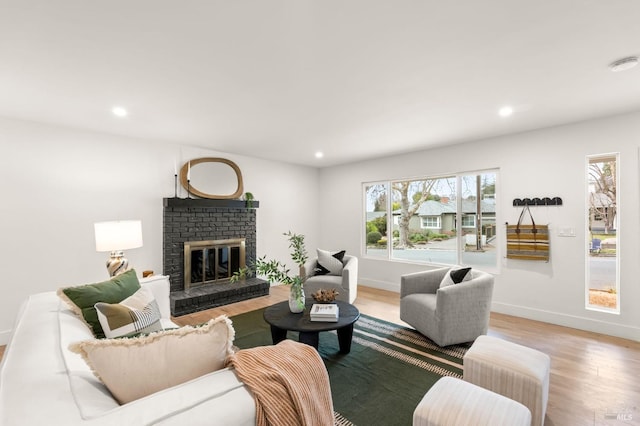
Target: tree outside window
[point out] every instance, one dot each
(376, 219)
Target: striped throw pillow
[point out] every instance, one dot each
(138, 313)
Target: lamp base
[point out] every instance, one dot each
(117, 263)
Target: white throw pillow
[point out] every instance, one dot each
(132, 368)
(138, 313)
(456, 276)
(330, 261)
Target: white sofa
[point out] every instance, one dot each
(43, 383)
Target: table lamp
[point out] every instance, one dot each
(116, 236)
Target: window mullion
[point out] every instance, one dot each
(459, 245)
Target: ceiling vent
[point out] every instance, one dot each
(624, 64)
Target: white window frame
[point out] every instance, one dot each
(467, 215)
(390, 220)
(438, 222)
(494, 268)
(588, 306)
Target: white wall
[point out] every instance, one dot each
(542, 163)
(56, 182)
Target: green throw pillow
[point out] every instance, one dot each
(82, 299)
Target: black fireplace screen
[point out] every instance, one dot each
(211, 261)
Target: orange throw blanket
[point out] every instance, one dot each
(289, 382)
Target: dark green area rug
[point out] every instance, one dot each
(382, 379)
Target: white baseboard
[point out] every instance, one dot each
(572, 321)
(4, 337)
(381, 285)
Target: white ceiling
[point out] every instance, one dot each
(281, 79)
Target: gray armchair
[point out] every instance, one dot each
(454, 314)
(345, 284)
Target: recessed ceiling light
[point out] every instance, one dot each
(119, 112)
(624, 64)
(505, 111)
(319, 154)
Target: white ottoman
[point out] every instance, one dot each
(512, 370)
(454, 402)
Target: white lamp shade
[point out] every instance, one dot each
(118, 235)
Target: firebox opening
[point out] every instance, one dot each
(208, 262)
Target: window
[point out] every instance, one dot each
(478, 204)
(469, 221)
(431, 222)
(602, 285)
(376, 219)
(420, 219)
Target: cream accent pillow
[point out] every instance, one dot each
(138, 313)
(136, 367)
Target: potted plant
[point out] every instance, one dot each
(248, 198)
(275, 271)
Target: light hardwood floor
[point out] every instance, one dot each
(591, 374)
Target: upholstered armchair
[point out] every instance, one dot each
(346, 284)
(448, 315)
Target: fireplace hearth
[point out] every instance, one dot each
(220, 237)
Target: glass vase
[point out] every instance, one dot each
(296, 299)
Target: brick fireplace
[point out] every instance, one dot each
(189, 221)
